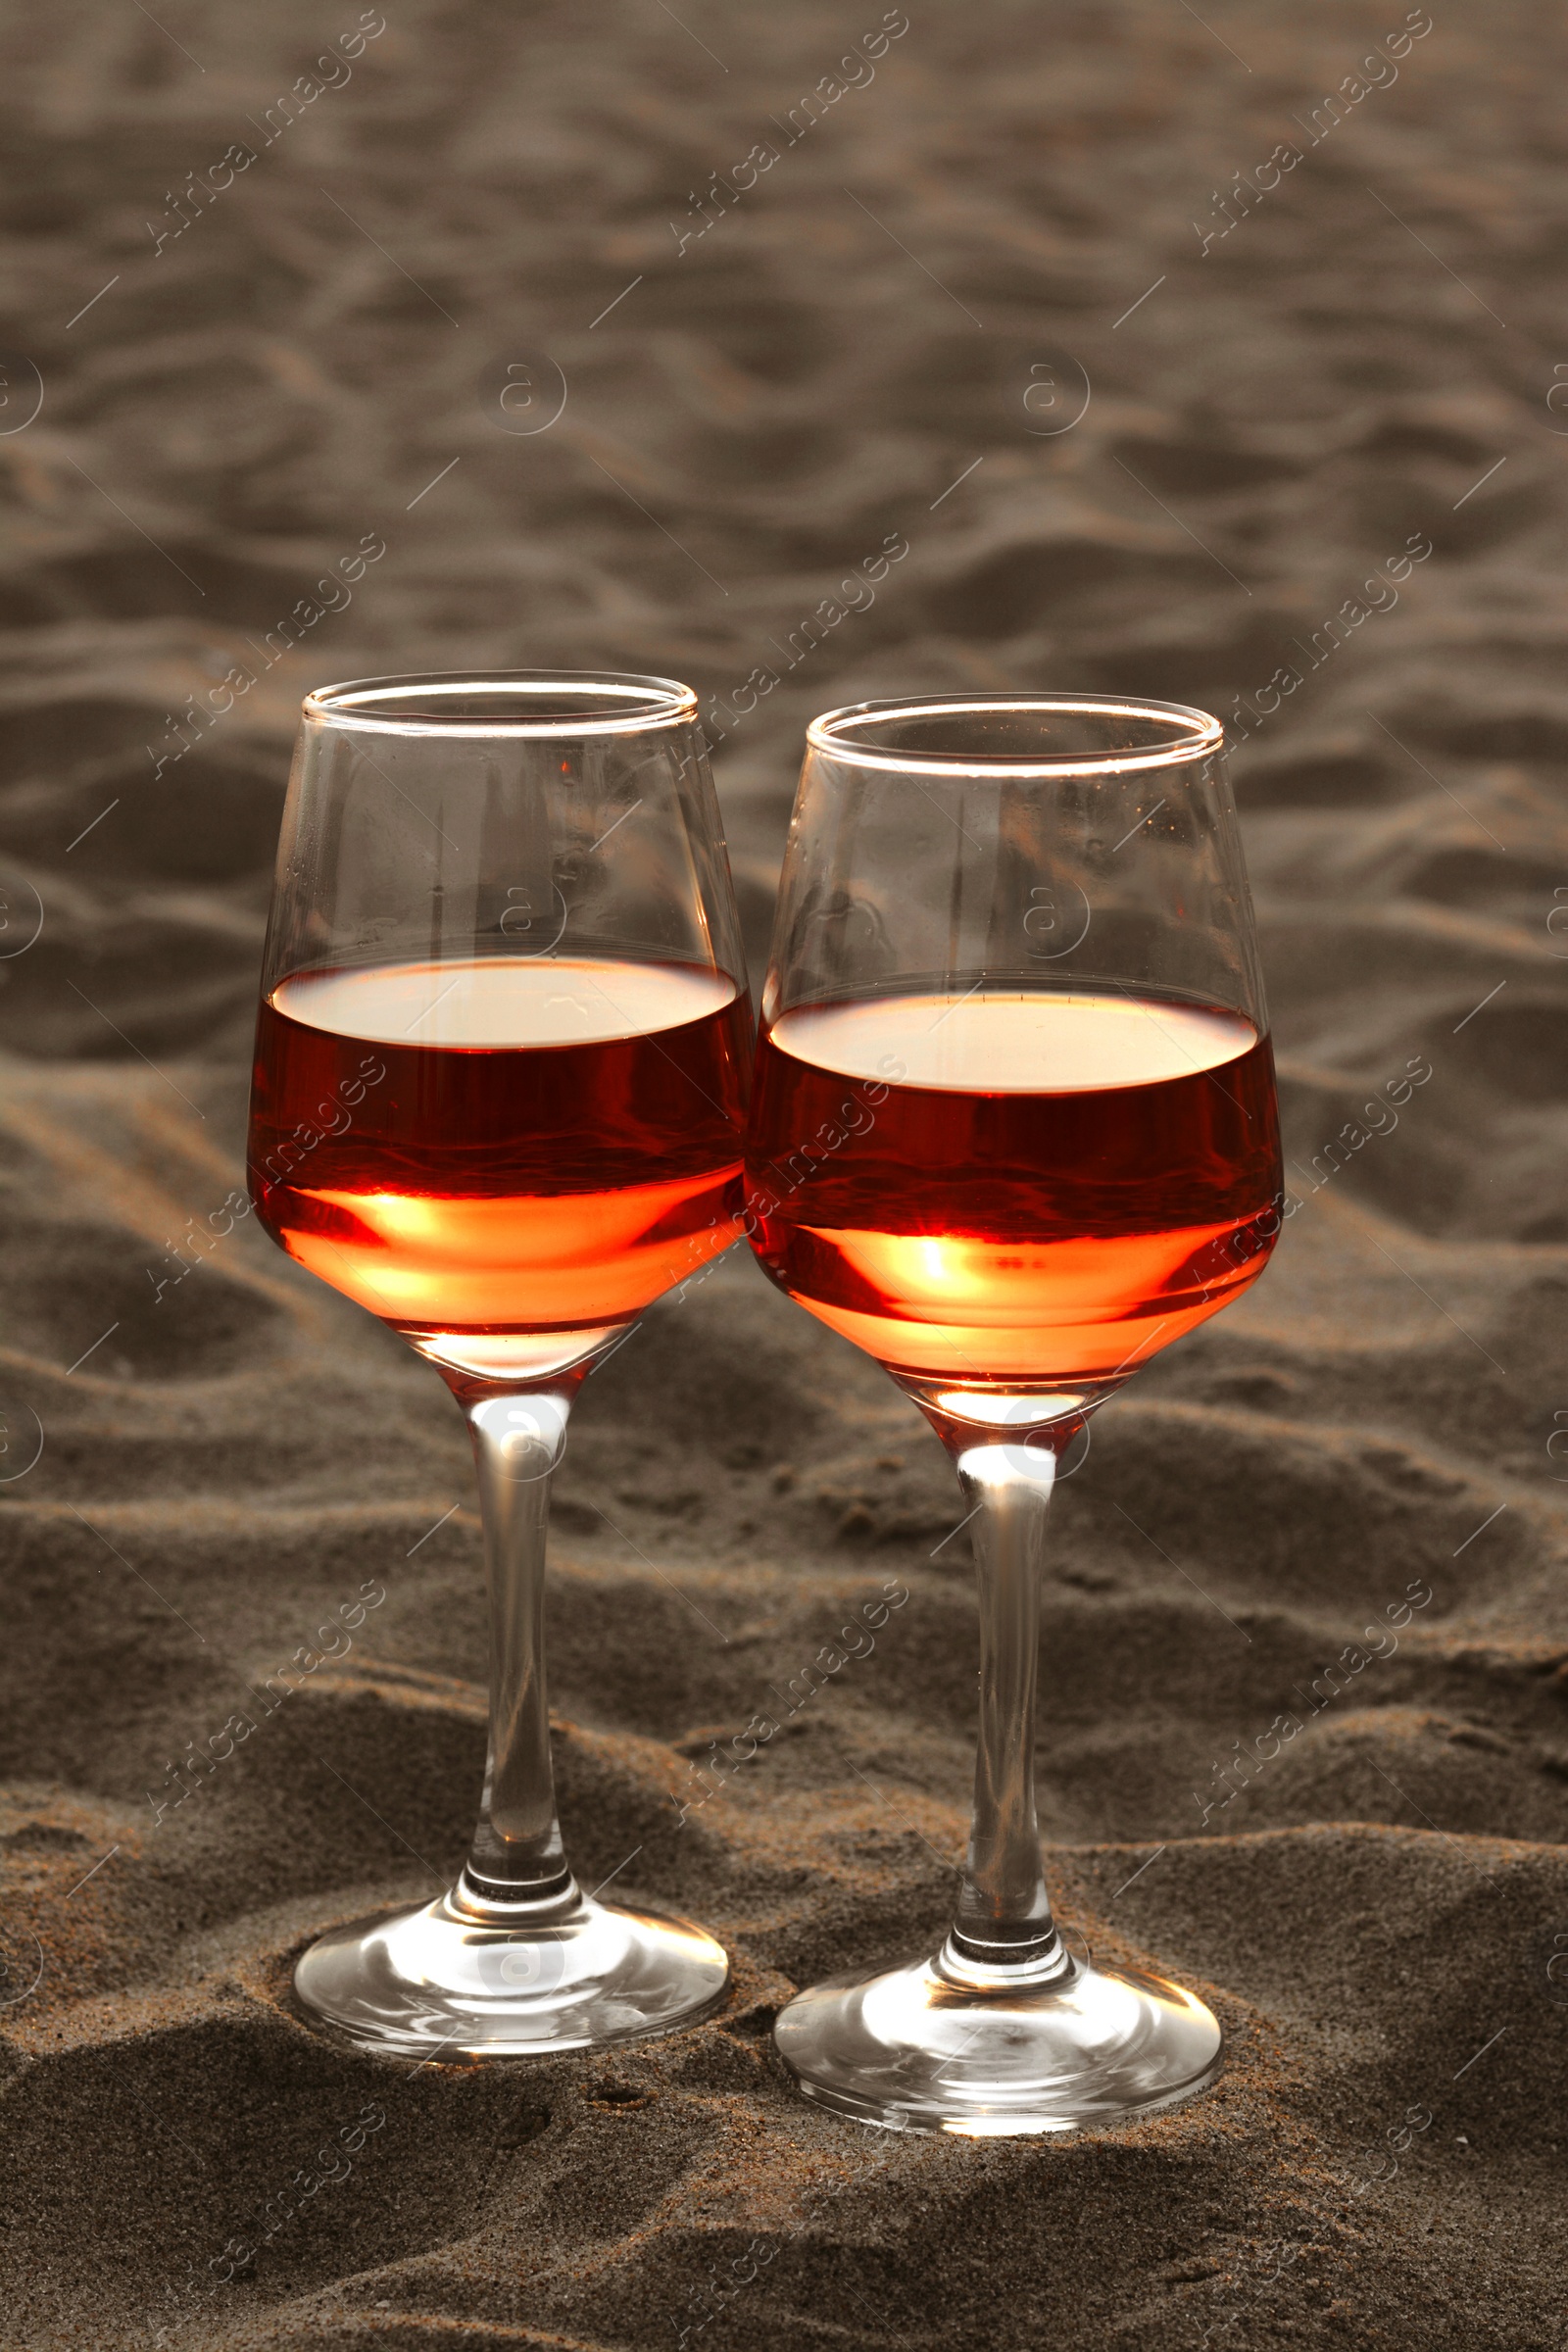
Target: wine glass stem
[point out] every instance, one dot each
(1003, 1913)
(517, 1856)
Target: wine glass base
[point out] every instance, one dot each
(916, 2048)
(413, 1984)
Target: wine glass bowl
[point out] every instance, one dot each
(976, 890)
(1013, 1131)
(502, 1045)
(502, 1055)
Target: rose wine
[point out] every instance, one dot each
(1006, 1186)
(502, 1143)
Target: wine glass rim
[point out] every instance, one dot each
(633, 703)
(1193, 734)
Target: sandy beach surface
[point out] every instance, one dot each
(507, 346)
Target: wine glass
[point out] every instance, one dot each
(498, 1099)
(1013, 1129)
